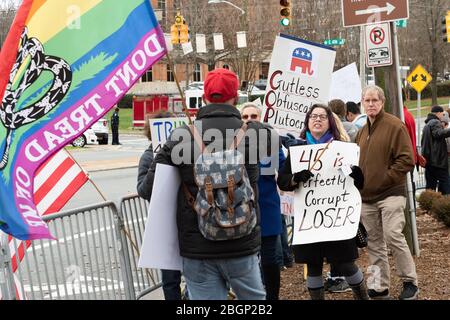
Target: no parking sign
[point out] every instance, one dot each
(378, 45)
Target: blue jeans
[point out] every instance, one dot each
(171, 280)
(207, 278)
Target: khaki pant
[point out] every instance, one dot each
(384, 221)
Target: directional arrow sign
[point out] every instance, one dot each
(363, 12)
(389, 8)
(419, 78)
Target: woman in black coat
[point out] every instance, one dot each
(171, 279)
(320, 127)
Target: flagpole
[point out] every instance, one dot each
(133, 244)
(183, 100)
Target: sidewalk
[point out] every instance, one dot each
(102, 165)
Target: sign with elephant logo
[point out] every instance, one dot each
(299, 76)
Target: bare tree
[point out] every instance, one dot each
(8, 10)
(423, 43)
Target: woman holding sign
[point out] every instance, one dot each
(321, 127)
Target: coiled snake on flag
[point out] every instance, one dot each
(39, 62)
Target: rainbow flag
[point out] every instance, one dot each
(64, 64)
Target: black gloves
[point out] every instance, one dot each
(288, 140)
(302, 176)
(358, 177)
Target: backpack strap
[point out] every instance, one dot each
(238, 137)
(197, 138)
(189, 197)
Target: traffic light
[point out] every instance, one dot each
(178, 19)
(285, 12)
(179, 31)
(446, 27)
(184, 33)
(174, 34)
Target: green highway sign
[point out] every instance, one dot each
(334, 42)
(401, 23)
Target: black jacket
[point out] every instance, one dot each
(219, 117)
(145, 180)
(314, 253)
(434, 146)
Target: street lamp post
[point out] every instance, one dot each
(223, 1)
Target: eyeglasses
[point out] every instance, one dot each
(251, 116)
(322, 117)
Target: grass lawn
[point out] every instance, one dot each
(426, 105)
(125, 120)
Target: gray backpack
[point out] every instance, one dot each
(225, 201)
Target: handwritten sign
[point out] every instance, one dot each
(162, 128)
(287, 203)
(328, 206)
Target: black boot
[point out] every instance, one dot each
(317, 294)
(271, 275)
(360, 291)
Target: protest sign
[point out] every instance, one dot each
(346, 84)
(287, 203)
(328, 206)
(299, 76)
(161, 129)
(160, 247)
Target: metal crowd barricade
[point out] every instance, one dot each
(133, 211)
(88, 259)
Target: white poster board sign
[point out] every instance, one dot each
(299, 76)
(287, 203)
(346, 84)
(160, 248)
(161, 129)
(328, 206)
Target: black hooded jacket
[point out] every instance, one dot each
(434, 147)
(220, 118)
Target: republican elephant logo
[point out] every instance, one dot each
(302, 58)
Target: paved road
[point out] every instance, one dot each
(112, 168)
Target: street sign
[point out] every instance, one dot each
(334, 42)
(401, 23)
(363, 12)
(378, 45)
(419, 78)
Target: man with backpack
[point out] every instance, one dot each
(218, 215)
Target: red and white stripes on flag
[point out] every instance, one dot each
(55, 182)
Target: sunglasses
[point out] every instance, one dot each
(251, 116)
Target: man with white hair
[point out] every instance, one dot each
(386, 158)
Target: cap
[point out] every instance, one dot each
(437, 109)
(221, 85)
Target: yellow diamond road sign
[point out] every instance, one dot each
(419, 78)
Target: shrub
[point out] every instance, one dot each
(126, 102)
(427, 198)
(441, 207)
(443, 90)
